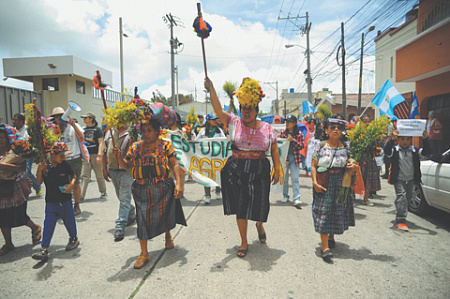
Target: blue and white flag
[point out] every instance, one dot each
(387, 98)
(414, 107)
(307, 107)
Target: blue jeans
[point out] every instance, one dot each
(294, 169)
(30, 175)
(54, 211)
(122, 182)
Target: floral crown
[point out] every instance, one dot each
(249, 93)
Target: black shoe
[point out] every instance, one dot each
(331, 243)
(326, 254)
(41, 255)
(119, 235)
(73, 243)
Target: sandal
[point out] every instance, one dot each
(169, 243)
(141, 261)
(242, 252)
(37, 235)
(5, 249)
(262, 237)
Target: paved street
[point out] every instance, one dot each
(372, 260)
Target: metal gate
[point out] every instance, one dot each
(13, 100)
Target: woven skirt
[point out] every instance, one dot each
(157, 210)
(330, 216)
(14, 217)
(371, 175)
(246, 188)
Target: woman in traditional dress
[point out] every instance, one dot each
(245, 178)
(13, 205)
(331, 216)
(154, 192)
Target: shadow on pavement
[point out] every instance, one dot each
(259, 256)
(412, 226)
(18, 253)
(55, 252)
(343, 251)
(360, 216)
(83, 216)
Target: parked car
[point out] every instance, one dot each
(435, 190)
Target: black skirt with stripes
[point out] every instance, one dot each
(246, 188)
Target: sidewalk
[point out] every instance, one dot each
(372, 260)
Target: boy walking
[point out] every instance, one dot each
(59, 180)
(404, 172)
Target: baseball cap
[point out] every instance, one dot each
(211, 116)
(277, 117)
(60, 148)
(88, 114)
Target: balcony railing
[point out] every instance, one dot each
(110, 95)
(440, 12)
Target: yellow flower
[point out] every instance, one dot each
(249, 93)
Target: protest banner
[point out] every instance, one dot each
(204, 158)
(411, 127)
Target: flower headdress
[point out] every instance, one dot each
(249, 93)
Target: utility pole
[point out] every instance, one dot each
(121, 59)
(308, 59)
(344, 95)
(361, 68)
(276, 89)
(178, 99)
(304, 29)
(174, 44)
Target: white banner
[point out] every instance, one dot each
(411, 127)
(311, 145)
(204, 158)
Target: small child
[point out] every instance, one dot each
(404, 172)
(59, 179)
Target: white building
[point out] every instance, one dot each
(62, 79)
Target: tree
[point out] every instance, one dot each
(159, 97)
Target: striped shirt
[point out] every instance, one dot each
(250, 139)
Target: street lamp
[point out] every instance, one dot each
(121, 34)
(371, 28)
(308, 73)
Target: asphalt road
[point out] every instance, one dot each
(372, 259)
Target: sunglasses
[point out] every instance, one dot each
(340, 128)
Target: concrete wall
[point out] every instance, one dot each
(385, 65)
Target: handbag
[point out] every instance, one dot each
(6, 188)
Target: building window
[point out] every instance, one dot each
(80, 87)
(392, 67)
(50, 84)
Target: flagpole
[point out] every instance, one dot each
(367, 107)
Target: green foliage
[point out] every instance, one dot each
(261, 114)
(323, 112)
(364, 139)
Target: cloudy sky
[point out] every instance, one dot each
(247, 40)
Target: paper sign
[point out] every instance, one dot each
(411, 127)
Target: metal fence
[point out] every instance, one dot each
(13, 100)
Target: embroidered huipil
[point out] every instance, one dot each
(150, 166)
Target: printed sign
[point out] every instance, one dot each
(204, 158)
(411, 127)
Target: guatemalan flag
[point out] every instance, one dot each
(414, 107)
(307, 107)
(387, 98)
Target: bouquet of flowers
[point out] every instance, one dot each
(191, 120)
(364, 142)
(230, 89)
(48, 131)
